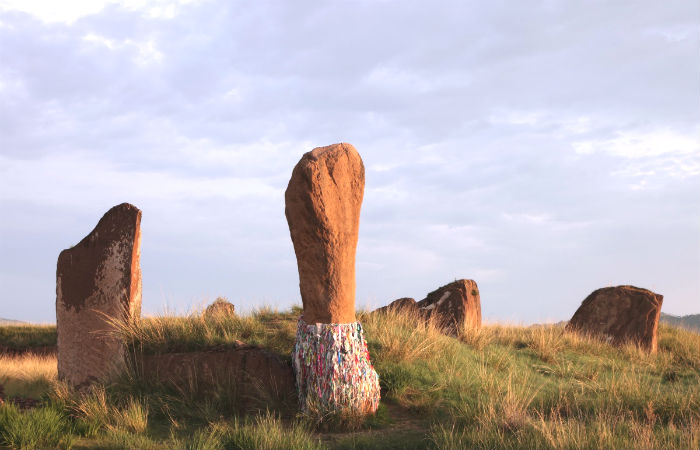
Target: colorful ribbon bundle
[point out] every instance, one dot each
(332, 365)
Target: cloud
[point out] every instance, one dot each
(642, 144)
(517, 146)
(68, 12)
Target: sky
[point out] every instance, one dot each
(543, 149)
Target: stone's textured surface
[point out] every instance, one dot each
(220, 306)
(323, 202)
(257, 375)
(620, 314)
(401, 304)
(455, 306)
(99, 278)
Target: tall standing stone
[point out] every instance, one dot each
(98, 280)
(331, 360)
(620, 315)
(323, 201)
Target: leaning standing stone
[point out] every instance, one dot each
(620, 315)
(323, 200)
(98, 280)
(456, 307)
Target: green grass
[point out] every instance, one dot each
(38, 428)
(500, 387)
(514, 387)
(197, 331)
(26, 337)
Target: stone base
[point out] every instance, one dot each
(333, 369)
(261, 379)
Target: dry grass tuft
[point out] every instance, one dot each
(28, 375)
(95, 408)
(404, 336)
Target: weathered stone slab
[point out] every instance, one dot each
(258, 376)
(323, 201)
(455, 306)
(620, 315)
(97, 280)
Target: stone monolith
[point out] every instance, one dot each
(621, 314)
(322, 206)
(455, 307)
(98, 281)
(323, 202)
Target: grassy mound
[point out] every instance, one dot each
(500, 387)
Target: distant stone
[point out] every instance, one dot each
(620, 315)
(455, 306)
(220, 307)
(98, 280)
(402, 304)
(323, 201)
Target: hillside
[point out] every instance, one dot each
(501, 387)
(689, 322)
(4, 322)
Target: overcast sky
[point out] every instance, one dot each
(543, 149)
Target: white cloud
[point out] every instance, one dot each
(556, 123)
(546, 221)
(489, 275)
(642, 144)
(144, 52)
(533, 218)
(514, 117)
(95, 38)
(648, 157)
(84, 179)
(393, 78)
(55, 11)
(198, 113)
(69, 11)
(675, 33)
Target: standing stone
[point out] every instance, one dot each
(620, 315)
(97, 280)
(331, 361)
(455, 306)
(323, 202)
(221, 307)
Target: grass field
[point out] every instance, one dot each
(501, 387)
(14, 338)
